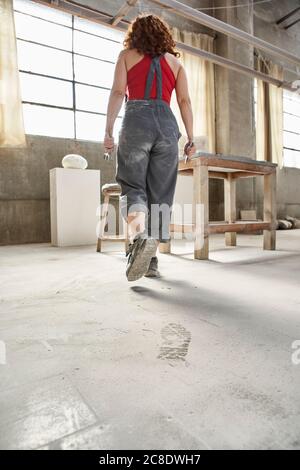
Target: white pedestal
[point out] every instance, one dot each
(74, 199)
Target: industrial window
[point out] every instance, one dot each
(291, 127)
(66, 67)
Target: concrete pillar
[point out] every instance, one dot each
(235, 127)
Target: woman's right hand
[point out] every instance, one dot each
(108, 143)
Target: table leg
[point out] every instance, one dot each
(270, 210)
(230, 207)
(200, 211)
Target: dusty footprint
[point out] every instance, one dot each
(175, 342)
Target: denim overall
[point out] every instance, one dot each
(147, 157)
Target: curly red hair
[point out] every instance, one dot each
(151, 35)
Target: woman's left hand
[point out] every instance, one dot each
(108, 143)
(189, 150)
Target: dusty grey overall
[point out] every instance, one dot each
(147, 157)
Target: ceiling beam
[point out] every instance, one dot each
(83, 11)
(123, 12)
(292, 24)
(281, 20)
(199, 17)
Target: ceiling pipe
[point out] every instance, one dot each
(230, 64)
(105, 19)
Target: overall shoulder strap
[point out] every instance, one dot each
(154, 67)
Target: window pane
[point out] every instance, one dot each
(40, 120)
(41, 59)
(94, 72)
(291, 158)
(46, 90)
(92, 127)
(291, 123)
(100, 30)
(96, 47)
(43, 12)
(291, 107)
(43, 32)
(291, 141)
(291, 95)
(93, 99)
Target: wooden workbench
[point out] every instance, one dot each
(229, 168)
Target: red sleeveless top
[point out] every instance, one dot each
(137, 77)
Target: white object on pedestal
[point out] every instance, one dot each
(74, 199)
(72, 160)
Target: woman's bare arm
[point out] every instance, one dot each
(117, 93)
(184, 102)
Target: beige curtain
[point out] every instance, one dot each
(200, 75)
(11, 116)
(269, 126)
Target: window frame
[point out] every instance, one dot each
(284, 98)
(73, 81)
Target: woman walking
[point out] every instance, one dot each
(146, 73)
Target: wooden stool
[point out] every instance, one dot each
(108, 191)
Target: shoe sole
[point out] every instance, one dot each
(140, 265)
(152, 273)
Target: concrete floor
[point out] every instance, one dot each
(200, 359)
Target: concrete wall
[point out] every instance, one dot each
(24, 184)
(288, 193)
(265, 17)
(235, 133)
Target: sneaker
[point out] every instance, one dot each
(139, 255)
(153, 268)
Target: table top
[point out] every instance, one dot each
(227, 163)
